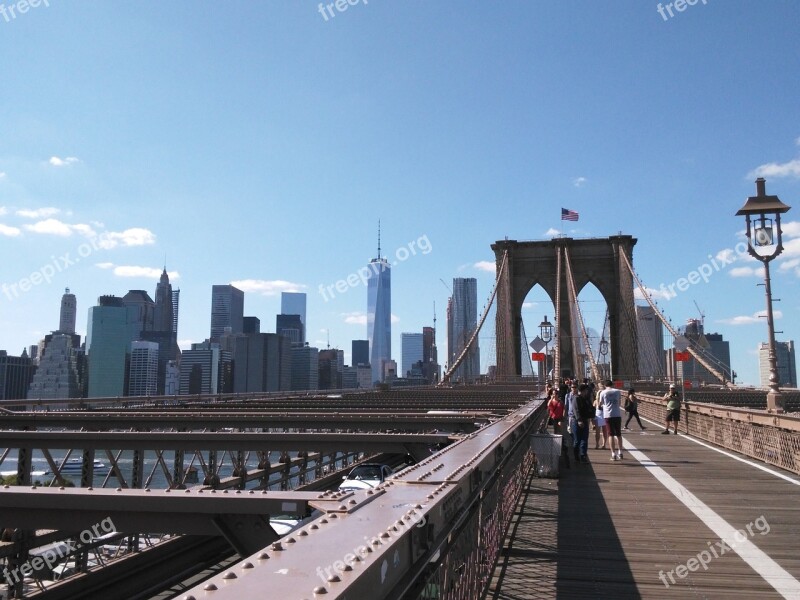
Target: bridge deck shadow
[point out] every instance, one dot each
(611, 530)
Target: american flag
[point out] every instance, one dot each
(568, 215)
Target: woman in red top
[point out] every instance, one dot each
(556, 410)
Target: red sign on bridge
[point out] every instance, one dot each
(537, 356)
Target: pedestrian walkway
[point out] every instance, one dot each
(674, 519)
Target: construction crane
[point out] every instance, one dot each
(702, 315)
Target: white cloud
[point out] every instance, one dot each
(2, 174)
(552, 232)
(9, 231)
(135, 271)
(579, 181)
(355, 318)
(51, 227)
(749, 320)
(267, 288)
(788, 169)
(63, 162)
(135, 236)
(485, 265)
(395, 318)
(185, 344)
(104, 265)
(528, 305)
(791, 229)
(662, 294)
(747, 272)
(39, 213)
(3, 210)
(790, 264)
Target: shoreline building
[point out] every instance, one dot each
(462, 320)
(785, 359)
(294, 303)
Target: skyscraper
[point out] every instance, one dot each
(290, 327)
(412, 352)
(294, 303)
(176, 302)
(650, 343)
(143, 370)
(163, 317)
(359, 353)
(69, 310)
(379, 314)
(227, 310)
(111, 329)
(785, 359)
(462, 322)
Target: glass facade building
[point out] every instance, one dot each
(379, 316)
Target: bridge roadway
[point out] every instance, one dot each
(659, 524)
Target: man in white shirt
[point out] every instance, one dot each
(609, 403)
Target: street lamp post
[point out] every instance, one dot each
(603, 352)
(759, 211)
(546, 333)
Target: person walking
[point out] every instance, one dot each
(581, 411)
(600, 428)
(673, 410)
(632, 408)
(609, 403)
(555, 407)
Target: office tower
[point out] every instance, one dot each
(294, 303)
(430, 354)
(176, 302)
(163, 318)
(364, 375)
(329, 371)
(69, 308)
(715, 350)
(227, 310)
(33, 353)
(172, 378)
(205, 369)
(144, 310)
(16, 374)
(305, 367)
(360, 353)
(785, 359)
(349, 378)
(650, 343)
(251, 325)
(143, 370)
(412, 345)
(462, 322)
(379, 313)
(261, 361)
(291, 327)
(111, 329)
(57, 375)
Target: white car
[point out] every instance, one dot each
(366, 476)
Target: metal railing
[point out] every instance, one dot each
(770, 438)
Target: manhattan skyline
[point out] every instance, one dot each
(256, 145)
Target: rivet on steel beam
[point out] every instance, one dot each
(324, 521)
(248, 565)
(61, 488)
(384, 535)
(320, 590)
(370, 492)
(167, 490)
(333, 516)
(334, 578)
(291, 540)
(342, 507)
(314, 527)
(303, 533)
(119, 489)
(229, 575)
(277, 546)
(188, 598)
(263, 556)
(353, 501)
(146, 489)
(210, 587)
(347, 567)
(187, 491)
(238, 491)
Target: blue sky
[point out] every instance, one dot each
(259, 142)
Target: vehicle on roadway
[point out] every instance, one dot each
(365, 476)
